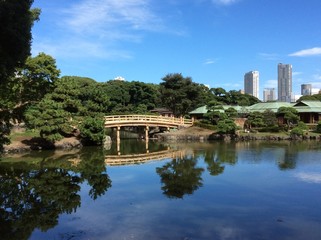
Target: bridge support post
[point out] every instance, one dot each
(146, 138)
(146, 132)
(118, 140)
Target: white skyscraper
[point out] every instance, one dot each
(269, 94)
(251, 83)
(284, 82)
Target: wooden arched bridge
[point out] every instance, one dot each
(146, 120)
(118, 121)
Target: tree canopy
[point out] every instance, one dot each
(16, 19)
(315, 97)
(180, 94)
(131, 97)
(74, 101)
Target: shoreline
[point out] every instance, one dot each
(192, 134)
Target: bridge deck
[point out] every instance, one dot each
(146, 120)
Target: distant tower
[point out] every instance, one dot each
(119, 78)
(251, 83)
(269, 94)
(306, 89)
(284, 82)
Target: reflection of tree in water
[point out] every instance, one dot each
(180, 177)
(288, 160)
(93, 169)
(214, 166)
(217, 155)
(34, 199)
(33, 196)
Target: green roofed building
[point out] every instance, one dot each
(273, 106)
(309, 111)
(198, 113)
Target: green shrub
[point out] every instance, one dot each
(92, 130)
(297, 131)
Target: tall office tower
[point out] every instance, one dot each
(284, 82)
(251, 83)
(269, 94)
(306, 89)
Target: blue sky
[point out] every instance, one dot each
(215, 42)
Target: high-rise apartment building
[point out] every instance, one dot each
(269, 94)
(251, 83)
(306, 89)
(284, 82)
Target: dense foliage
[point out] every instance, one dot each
(290, 116)
(72, 101)
(232, 97)
(16, 19)
(131, 97)
(181, 95)
(315, 97)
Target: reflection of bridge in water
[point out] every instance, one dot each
(130, 159)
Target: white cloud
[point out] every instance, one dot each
(209, 61)
(224, 2)
(316, 82)
(98, 28)
(92, 16)
(307, 52)
(317, 76)
(271, 83)
(296, 73)
(309, 177)
(269, 56)
(232, 85)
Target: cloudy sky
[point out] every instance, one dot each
(213, 41)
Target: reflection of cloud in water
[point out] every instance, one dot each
(309, 177)
(229, 233)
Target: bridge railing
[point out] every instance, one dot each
(147, 119)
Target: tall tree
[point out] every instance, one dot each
(16, 19)
(290, 115)
(180, 94)
(75, 102)
(31, 82)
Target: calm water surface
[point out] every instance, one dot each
(254, 190)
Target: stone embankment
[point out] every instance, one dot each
(200, 134)
(41, 144)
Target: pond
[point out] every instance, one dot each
(244, 190)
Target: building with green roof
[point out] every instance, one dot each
(272, 106)
(309, 111)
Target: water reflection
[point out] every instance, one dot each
(181, 176)
(36, 188)
(34, 193)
